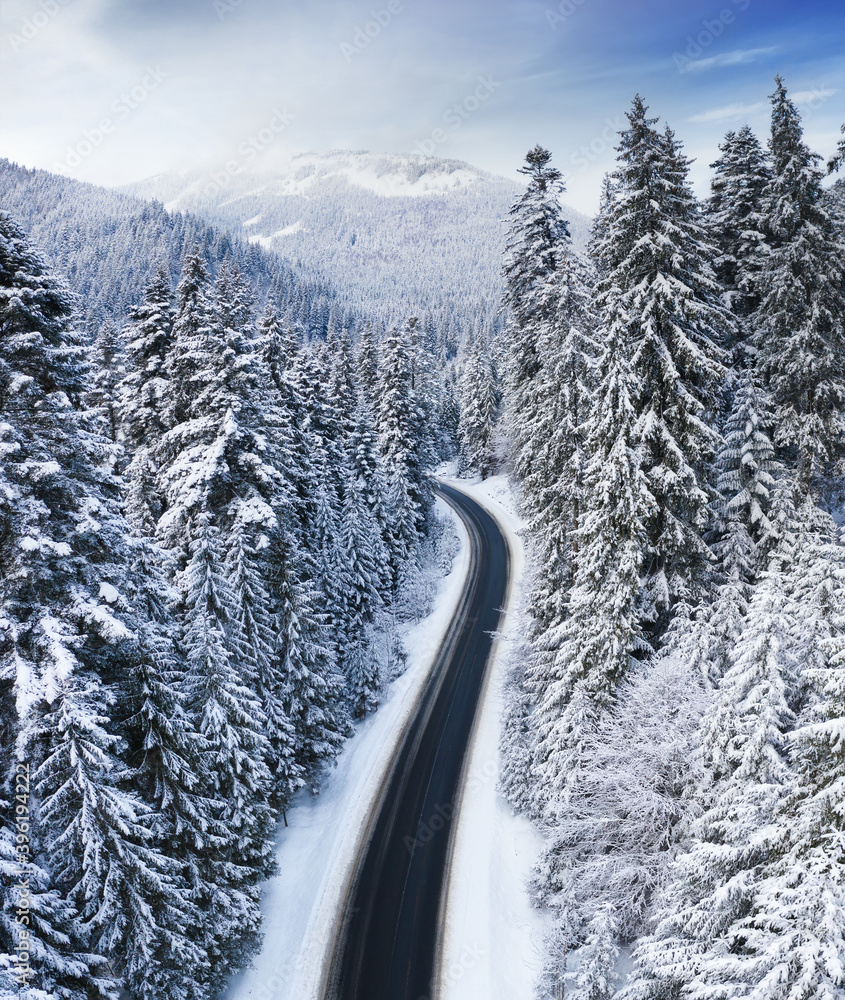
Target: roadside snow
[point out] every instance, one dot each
(316, 852)
(493, 937)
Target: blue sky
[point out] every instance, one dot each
(112, 90)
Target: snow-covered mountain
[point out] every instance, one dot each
(393, 234)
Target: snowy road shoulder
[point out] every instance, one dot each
(317, 852)
(492, 938)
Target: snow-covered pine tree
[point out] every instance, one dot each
(551, 465)
(325, 421)
(253, 637)
(699, 935)
(187, 357)
(589, 653)
(368, 364)
(226, 450)
(63, 646)
(101, 850)
(838, 158)
(107, 370)
(746, 465)
(801, 320)
(545, 297)
(230, 719)
(313, 689)
(425, 387)
(654, 252)
(536, 238)
(365, 467)
(342, 382)
(61, 968)
(360, 601)
(397, 420)
(597, 978)
(735, 222)
(478, 405)
(741, 535)
(794, 934)
(450, 411)
(630, 806)
(144, 391)
(306, 459)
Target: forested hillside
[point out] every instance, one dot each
(210, 525)
(675, 407)
(393, 234)
(109, 245)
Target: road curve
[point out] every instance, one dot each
(386, 947)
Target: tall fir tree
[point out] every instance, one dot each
(801, 320)
(149, 339)
(736, 224)
(478, 396)
(590, 651)
(231, 722)
(654, 253)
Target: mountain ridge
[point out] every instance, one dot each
(394, 234)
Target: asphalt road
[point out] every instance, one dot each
(386, 947)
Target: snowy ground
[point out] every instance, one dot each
(493, 940)
(317, 851)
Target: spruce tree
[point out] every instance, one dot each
(60, 966)
(145, 389)
(536, 237)
(64, 565)
(597, 978)
(232, 724)
(551, 465)
(699, 924)
(478, 410)
(366, 468)
(360, 600)
(397, 419)
(368, 363)
(187, 358)
(746, 465)
(108, 368)
(590, 652)
(735, 221)
(313, 691)
(801, 320)
(836, 161)
(654, 253)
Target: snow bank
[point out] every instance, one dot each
(493, 937)
(317, 851)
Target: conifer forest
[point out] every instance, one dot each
(259, 441)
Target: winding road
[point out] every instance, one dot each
(386, 948)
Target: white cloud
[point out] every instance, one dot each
(736, 58)
(729, 111)
(811, 96)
